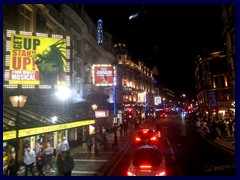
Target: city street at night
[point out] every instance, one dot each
(119, 89)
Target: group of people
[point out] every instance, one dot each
(41, 158)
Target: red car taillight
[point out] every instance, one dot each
(159, 134)
(160, 173)
(130, 173)
(137, 139)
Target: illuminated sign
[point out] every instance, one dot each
(157, 100)
(45, 129)
(104, 75)
(101, 113)
(141, 97)
(100, 31)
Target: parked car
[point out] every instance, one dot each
(147, 161)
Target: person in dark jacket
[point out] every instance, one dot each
(59, 164)
(12, 169)
(68, 164)
(40, 161)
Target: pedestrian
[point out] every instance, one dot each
(12, 168)
(40, 158)
(120, 129)
(29, 160)
(84, 143)
(68, 164)
(59, 147)
(37, 148)
(125, 127)
(59, 164)
(65, 146)
(115, 142)
(89, 145)
(48, 157)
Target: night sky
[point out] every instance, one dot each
(167, 36)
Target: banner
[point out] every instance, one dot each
(37, 60)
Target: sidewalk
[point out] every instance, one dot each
(108, 154)
(227, 143)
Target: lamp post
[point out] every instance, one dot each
(18, 102)
(94, 107)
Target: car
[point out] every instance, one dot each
(163, 115)
(147, 137)
(147, 161)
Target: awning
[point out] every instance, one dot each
(30, 117)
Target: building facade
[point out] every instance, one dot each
(32, 24)
(213, 85)
(135, 86)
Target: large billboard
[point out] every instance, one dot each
(37, 60)
(104, 75)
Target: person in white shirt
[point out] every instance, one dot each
(29, 160)
(65, 146)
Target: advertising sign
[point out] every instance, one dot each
(101, 113)
(103, 75)
(157, 100)
(37, 60)
(141, 97)
(212, 99)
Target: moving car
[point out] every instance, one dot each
(163, 115)
(147, 137)
(147, 161)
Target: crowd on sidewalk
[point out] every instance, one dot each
(212, 129)
(44, 160)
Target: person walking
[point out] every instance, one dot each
(89, 145)
(59, 147)
(68, 164)
(37, 148)
(59, 164)
(84, 143)
(12, 169)
(40, 161)
(48, 157)
(120, 129)
(29, 160)
(65, 146)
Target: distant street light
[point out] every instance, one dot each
(94, 108)
(18, 102)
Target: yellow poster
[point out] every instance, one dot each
(37, 60)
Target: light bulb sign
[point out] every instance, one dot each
(103, 75)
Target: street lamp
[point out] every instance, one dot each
(18, 102)
(63, 93)
(94, 108)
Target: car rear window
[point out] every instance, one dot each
(151, 156)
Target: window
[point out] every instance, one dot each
(25, 18)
